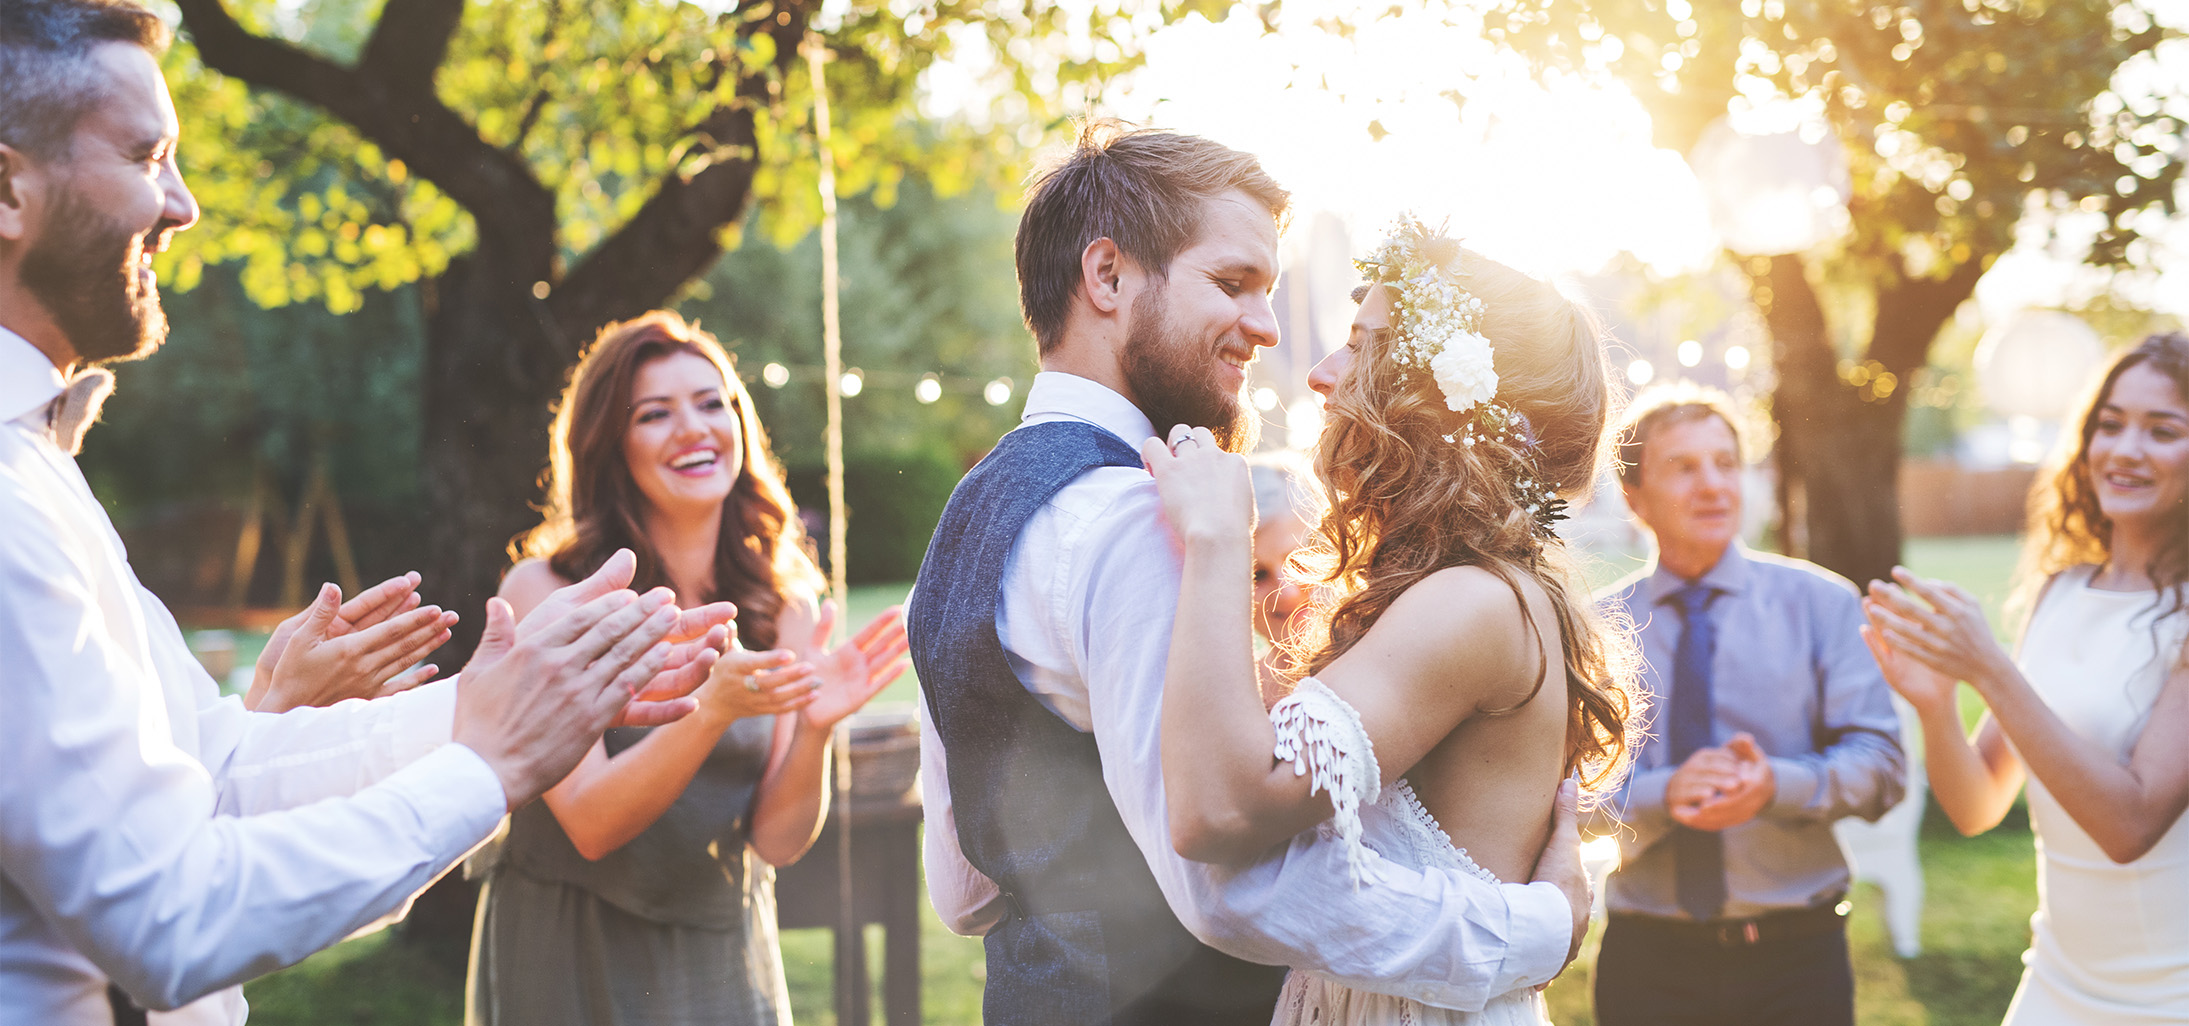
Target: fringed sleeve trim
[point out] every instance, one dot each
(1322, 737)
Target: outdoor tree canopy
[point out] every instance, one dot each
(1958, 118)
(544, 168)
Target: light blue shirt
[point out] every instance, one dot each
(1790, 669)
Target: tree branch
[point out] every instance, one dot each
(410, 41)
(675, 236)
(1911, 310)
(514, 212)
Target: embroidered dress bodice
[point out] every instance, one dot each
(1322, 737)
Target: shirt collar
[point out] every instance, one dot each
(28, 380)
(1058, 394)
(1730, 575)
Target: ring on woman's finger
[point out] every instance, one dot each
(752, 683)
(1188, 438)
(814, 684)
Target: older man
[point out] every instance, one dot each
(1771, 722)
(160, 844)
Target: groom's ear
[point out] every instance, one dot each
(1102, 272)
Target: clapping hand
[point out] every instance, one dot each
(701, 635)
(367, 647)
(857, 670)
(757, 684)
(535, 697)
(1721, 787)
(1927, 635)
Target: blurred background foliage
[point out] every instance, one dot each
(928, 288)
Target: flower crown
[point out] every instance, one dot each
(1437, 329)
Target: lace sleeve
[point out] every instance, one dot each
(1322, 737)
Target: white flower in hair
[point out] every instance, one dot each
(1464, 371)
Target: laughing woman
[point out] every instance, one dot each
(2092, 711)
(641, 889)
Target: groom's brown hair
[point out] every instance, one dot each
(1143, 189)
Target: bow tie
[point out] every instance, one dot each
(74, 410)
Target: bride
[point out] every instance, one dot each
(1457, 674)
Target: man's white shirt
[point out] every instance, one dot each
(1085, 612)
(153, 830)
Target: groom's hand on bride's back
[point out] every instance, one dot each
(1560, 863)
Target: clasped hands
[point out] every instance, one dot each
(1722, 786)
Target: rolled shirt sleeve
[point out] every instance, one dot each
(111, 831)
(1440, 937)
(1858, 769)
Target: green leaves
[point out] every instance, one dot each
(605, 101)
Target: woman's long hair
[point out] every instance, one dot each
(1406, 502)
(594, 507)
(2067, 527)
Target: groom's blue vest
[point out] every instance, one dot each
(1086, 937)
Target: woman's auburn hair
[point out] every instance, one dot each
(594, 506)
(2067, 528)
(1405, 502)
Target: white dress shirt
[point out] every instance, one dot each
(152, 831)
(1088, 597)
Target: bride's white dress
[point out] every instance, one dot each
(1321, 735)
(2109, 943)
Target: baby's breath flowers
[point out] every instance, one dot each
(1437, 329)
(1438, 323)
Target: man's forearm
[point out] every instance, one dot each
(1463, 940)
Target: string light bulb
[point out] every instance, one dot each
(929, 389)
(775, 375)
(852, 383)
(997, 392)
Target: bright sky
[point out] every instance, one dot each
(1551, 177)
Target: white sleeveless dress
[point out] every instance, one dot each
(1322, 736)
(2109, 943)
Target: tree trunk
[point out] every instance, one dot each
(495, 361)
(1838, 455)
(1839, 433)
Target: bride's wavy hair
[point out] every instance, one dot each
(1407, 502)
(2068, 528)
(594, 507)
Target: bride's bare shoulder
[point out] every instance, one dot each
(1468, 621)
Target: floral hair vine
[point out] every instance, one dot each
(1437, 329)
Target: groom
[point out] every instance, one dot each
(1041, 623)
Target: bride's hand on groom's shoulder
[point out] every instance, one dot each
(1207, 492)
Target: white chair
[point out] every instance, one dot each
(1884, 852)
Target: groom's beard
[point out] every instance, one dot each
(1169, 374)
(85, 270)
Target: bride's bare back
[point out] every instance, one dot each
(1449, 655)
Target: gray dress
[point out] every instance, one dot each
(676, 927)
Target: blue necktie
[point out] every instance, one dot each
(1698, 856)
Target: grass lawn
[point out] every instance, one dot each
(1976, 918)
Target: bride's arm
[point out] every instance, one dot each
(2125, 806)
(1407, 682)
